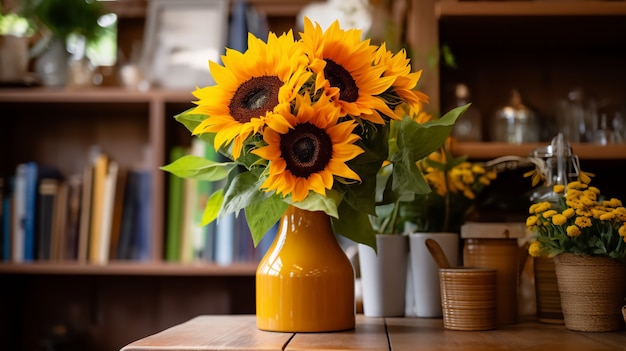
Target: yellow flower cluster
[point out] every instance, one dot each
(580, 222)
(455, 184)
(465, 178)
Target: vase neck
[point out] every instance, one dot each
(306, 226)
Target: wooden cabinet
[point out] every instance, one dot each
(544, 49)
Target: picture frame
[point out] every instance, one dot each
(181, 37)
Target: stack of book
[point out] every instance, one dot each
(93, 217)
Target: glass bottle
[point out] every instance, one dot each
(515, 123)
(561, 165)
(468, 126)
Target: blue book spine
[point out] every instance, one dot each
(6, 219)
(31, 210)
(144, 216)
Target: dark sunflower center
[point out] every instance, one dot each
(342, 79)
(254, 98)
(306, 149)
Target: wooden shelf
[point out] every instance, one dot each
(95, 95)
(529, 8)
(490, 150)
(130, 269)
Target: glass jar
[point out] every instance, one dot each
(515, 123)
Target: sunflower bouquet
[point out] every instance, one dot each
(309, 123)
(578, 220)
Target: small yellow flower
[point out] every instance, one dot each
(577, 185)
(622, 230)
(534, 249)
(531, 221)
(558, 219)
(536, 176)
(587, 201)
(607, 216)
(583, 222)
(569, 212)
(590, 195)
(478, 169)
(542, 206)
(469, 194)
(585, 177)
(549, 213)
(573, 230)
(558, 188)
(615, 203)
(594, 189)
(597, 213)
(484, 180)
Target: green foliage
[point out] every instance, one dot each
(66, 17)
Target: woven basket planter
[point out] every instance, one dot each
(592, 292)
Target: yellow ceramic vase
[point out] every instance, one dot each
(305, 282)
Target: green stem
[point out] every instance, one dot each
(394, 218)
(446, 202)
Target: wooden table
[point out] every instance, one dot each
(239, 332)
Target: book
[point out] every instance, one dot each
(118, 209)
(102, 245)
(135, 227)
(174, 210)
(5, 214)
(72, 227)
(225, 240)
(85, 213)
(59, 222)
(18, 213)
(30, 219)
(48, 190)
(97, 207)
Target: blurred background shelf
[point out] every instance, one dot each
(115, 268)
(585, 151)
(449, 8)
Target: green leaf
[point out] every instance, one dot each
(196, 167)
(213, 206)
(407, 179)
(191, 121)
(242, 191)
(354, 225)
(420, 140)
(261, 216)
(317, 202)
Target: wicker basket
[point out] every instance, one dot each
(592, 292)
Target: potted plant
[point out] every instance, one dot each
(307, 124)
(438, 215)
(15, 30)
(585, 232)
(60, 22)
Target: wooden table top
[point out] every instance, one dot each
(239, 332)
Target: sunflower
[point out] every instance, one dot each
(343, 64)
(403, 95)
(251, 88)
(314, 150)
